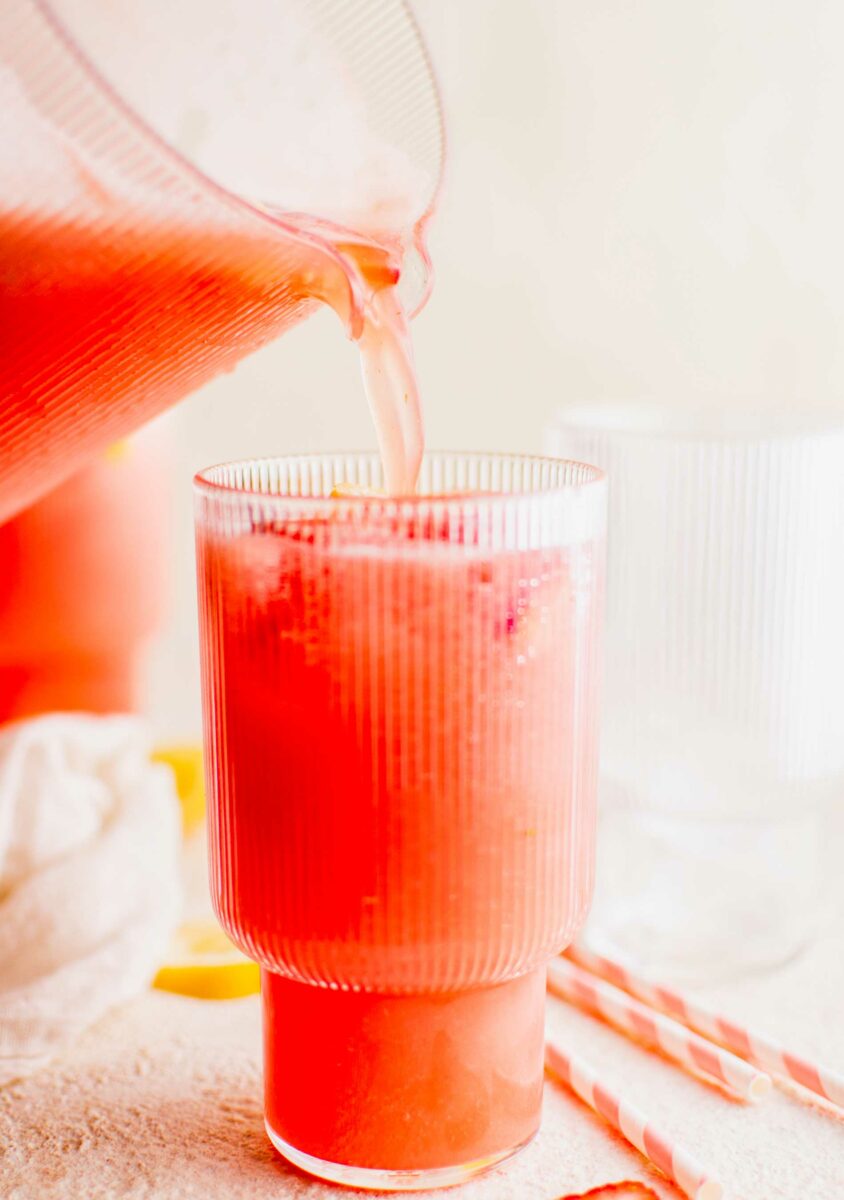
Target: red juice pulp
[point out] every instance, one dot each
(401, 744)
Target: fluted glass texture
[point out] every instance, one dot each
(400, 703)
(723, 734)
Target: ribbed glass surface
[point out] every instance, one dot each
(723, 720)
(128, 277)
(400, 715)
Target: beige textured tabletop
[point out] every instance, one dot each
(162, 1101)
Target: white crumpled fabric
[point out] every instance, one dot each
(89, 877)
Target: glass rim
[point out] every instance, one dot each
(740, 423)
(594, 479)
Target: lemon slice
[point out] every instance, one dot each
(202, 962)
(344, 490)
(185, 761)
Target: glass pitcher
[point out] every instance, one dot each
(178, 186)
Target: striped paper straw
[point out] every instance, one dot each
(635, 1019)
(675, 1162)
(748, 1043)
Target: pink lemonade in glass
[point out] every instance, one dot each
(400, 706)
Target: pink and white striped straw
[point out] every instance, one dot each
(747, 1043)
(635, 1019)
(675, 1162)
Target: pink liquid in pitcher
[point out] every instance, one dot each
(120, 295)
(101, 326)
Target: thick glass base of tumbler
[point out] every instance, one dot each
(373, 1180)
(402, 1092)
(701, 899)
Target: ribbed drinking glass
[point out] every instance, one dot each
(723, 738)
(401, 733)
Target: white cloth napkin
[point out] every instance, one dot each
(89, 877)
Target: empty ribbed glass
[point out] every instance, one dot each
(401, 730)
(724, 726)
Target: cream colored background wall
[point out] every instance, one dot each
(643, 198)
